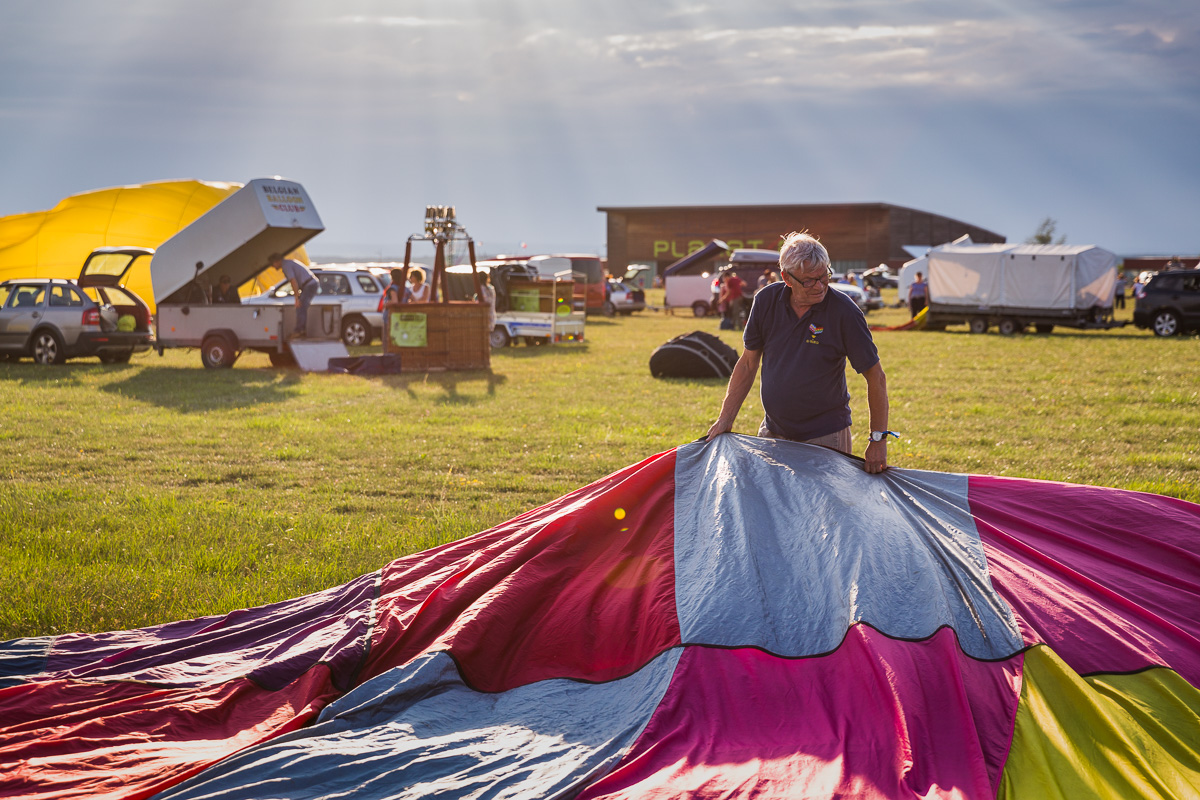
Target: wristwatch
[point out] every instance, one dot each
(881, 436)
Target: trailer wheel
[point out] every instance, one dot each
(499, 337)
(1043, 327)
(699, 309)
(1008, 326)
(217, 352)
(1166, 323)
(979, 325)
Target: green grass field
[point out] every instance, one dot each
(155, 491)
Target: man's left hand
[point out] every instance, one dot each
(876, 457)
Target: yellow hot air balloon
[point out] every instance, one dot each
(55, 243)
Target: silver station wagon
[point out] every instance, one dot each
(53, 319)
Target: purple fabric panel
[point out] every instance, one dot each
(1109, 579)
(271, 645)
(878, 718)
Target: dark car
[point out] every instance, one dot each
(1170, 303)
(880, 278)
(52, 319)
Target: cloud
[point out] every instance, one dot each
(398, 22)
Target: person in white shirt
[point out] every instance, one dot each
(418, 286)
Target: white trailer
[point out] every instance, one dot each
(236, 238)
(531, 307)
(1014, 286)
(688, 282)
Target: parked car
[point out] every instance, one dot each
(880, 278)
(53, 319)
(1170, 303)
(864, 299)
(356, 290)
(621, 298)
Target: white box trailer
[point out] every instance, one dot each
(533, 307)
(235, 238)
(1014, 286)
(688, 282)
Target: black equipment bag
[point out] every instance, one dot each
(693, 355)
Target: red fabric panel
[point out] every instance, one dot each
(128, 740)
(877, 718)
(583, 587)
(1109, 579)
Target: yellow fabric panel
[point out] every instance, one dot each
(1106, 736)
(55, 243)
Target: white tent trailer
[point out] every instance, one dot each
(1014, 286)
(688, 282)
(235, 238)
(908, 273)
(532, 306)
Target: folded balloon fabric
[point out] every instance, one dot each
(739, 618)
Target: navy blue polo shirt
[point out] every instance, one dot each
(804, 360)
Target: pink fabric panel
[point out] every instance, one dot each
(583, 587)
(878, 718)
(1109, 579)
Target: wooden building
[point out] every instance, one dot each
(858, 235)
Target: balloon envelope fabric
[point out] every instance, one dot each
(737, 618)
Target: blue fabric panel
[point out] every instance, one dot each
(784, 546)
(22, 659)
(419, 731)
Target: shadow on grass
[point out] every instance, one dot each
(30, 373)
(1057, 333)
(448, 382)
(199, 390)
(693, 381)
(551, 352)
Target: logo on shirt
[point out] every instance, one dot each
(815, 330)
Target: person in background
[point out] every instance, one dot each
(803, 333)
(1174, 263)
(487, 294)
(225, 292)
(418, 286)
(1119, 291)
(304, 288)
(733, 300)
(918, 292)
(764, 279)
(394, 296)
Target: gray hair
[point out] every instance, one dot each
(801, 249)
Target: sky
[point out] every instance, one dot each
(529, 114)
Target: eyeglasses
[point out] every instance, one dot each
(809, 283)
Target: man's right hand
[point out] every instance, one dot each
(717, 429)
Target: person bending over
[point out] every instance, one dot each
(304, 288)
(802, 334)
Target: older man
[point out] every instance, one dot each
(802, 334)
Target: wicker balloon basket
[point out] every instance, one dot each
(431, 337)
